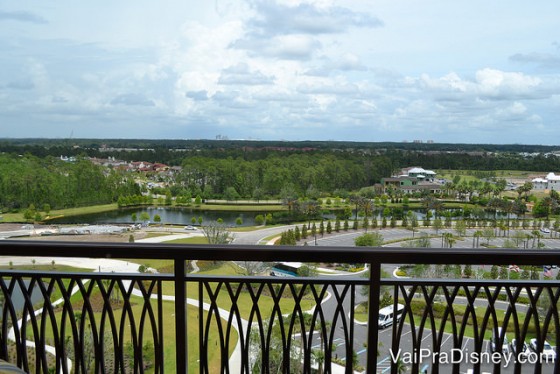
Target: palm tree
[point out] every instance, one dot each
(400, 366)
(536, 237)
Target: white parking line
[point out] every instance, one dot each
(445, 341)
(465, 345)
(427, 336)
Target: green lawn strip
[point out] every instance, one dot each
(56, 213)
(247, 228)
(241, 208)
(45, 268)
(225, 268)
(152, 234)
(269, 238)
(245, 303)
(191, 240)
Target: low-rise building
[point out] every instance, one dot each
(550, 182)
(411, 180)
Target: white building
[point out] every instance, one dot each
(419, 173)
(550, 182)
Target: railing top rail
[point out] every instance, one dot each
(499, 256)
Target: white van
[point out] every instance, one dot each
(387, 315)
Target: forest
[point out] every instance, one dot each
(49, 182)
(31, 171)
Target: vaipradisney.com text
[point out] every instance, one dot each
(459, 356)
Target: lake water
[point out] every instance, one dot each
(178, 216)
(183, 216)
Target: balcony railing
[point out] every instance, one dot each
(122, 321)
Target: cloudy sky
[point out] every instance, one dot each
(465, 71)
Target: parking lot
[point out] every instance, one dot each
(449, 353)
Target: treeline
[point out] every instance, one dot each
(173, 152)
(285, 176)
(78, 143)
(28, 180)
(481, 162)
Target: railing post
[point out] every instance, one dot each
(373, 315)
(181, 357)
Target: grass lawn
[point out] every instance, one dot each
(168, 333)
(69, 212)
(241, 208)
(46, 268)
(18, 217)
(192, 240)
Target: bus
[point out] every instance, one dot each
(285, 269)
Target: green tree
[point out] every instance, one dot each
(438, 224)
(157, 218)
(488, 234)
(460, 227)
(259, 219)
(467, 271)
(307, 270)
(373, 239)
(386, 299)
(304, 231)
(216, 233)
(494, 272)
(168, 198)
(231, 194)
(144, 217)
(28, 215)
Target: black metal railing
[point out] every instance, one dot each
(117, 322)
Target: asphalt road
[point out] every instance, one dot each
(461, 349)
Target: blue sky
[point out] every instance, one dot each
(358, 70)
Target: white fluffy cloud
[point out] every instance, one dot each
(279, 69)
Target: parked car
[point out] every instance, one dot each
(505, 343)
(189, 227)
(548, 353)
(523, 352)
(545, 230)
